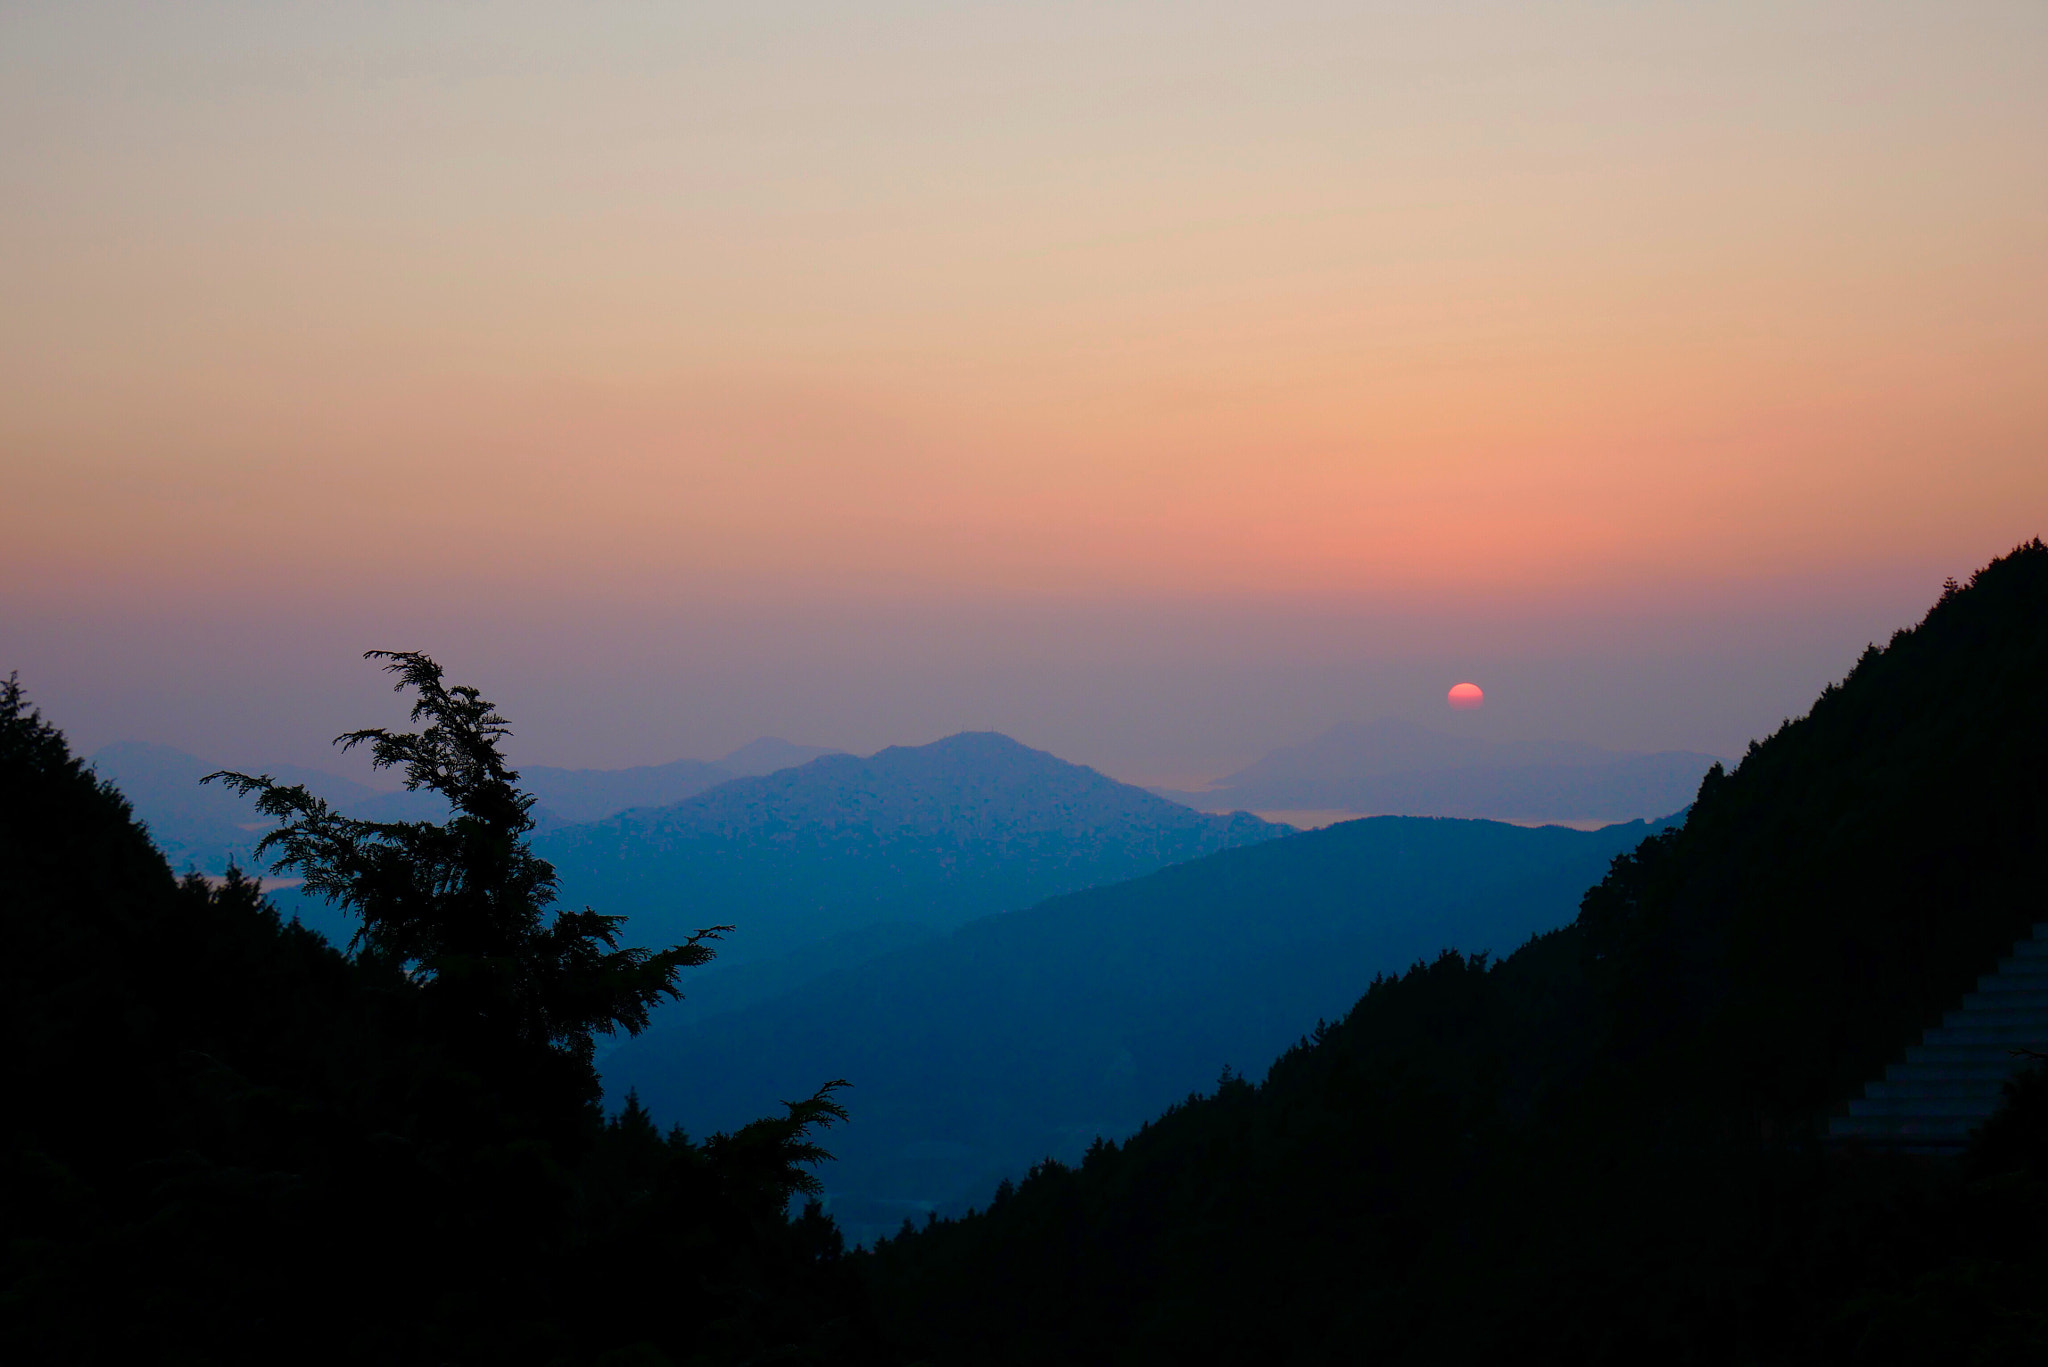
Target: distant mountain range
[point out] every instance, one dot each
(1395, 767)
(1024, 1035)
(203, 826)
(819, 866)
(206, 826)
(578, 795)
(930, 835)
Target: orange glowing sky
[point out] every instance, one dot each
(1473, 313)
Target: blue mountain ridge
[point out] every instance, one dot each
(931, 835)
(1026, 1035)
(206, 826)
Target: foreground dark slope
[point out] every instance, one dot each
(1607, 1148)
(1028, 1034)
(936, 834)
(224, 1142)
(185, 1078)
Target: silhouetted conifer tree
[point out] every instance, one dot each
(465, 907)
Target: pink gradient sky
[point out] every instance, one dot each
(1156, 382)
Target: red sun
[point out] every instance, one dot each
(1465, 696)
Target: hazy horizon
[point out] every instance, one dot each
(1143, 694)
(1156, 384)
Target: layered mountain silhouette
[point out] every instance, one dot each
(818, 866)
(1394, 766)
(934, 835)
(578, 795)
(1025, 1035)
(206, 827)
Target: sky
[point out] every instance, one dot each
(1158, 383)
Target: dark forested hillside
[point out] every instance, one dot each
(1608, 1147)
(1030, 1033)
(935, 834)
(224, 1141)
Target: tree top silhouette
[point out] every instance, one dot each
(466, 907)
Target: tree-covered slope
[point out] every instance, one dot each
(1858, 869)
(223, 1141)
(1608, 1147)
(188, 1080)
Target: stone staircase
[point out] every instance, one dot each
(1953, 1079)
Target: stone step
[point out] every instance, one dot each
(1999, 1054)
(2014, 980)
(2025, 1036)
(1920, 1146)
(2028, 979)
(2004, 1002)
(1957, 1128)
(1916, 1107)
(2032, 1017)
(1902, 1073)
(1954, 1079)
(2001, 1003)
(2026, 958)
(1946, 1086)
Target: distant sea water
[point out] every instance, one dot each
(1309, 820)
